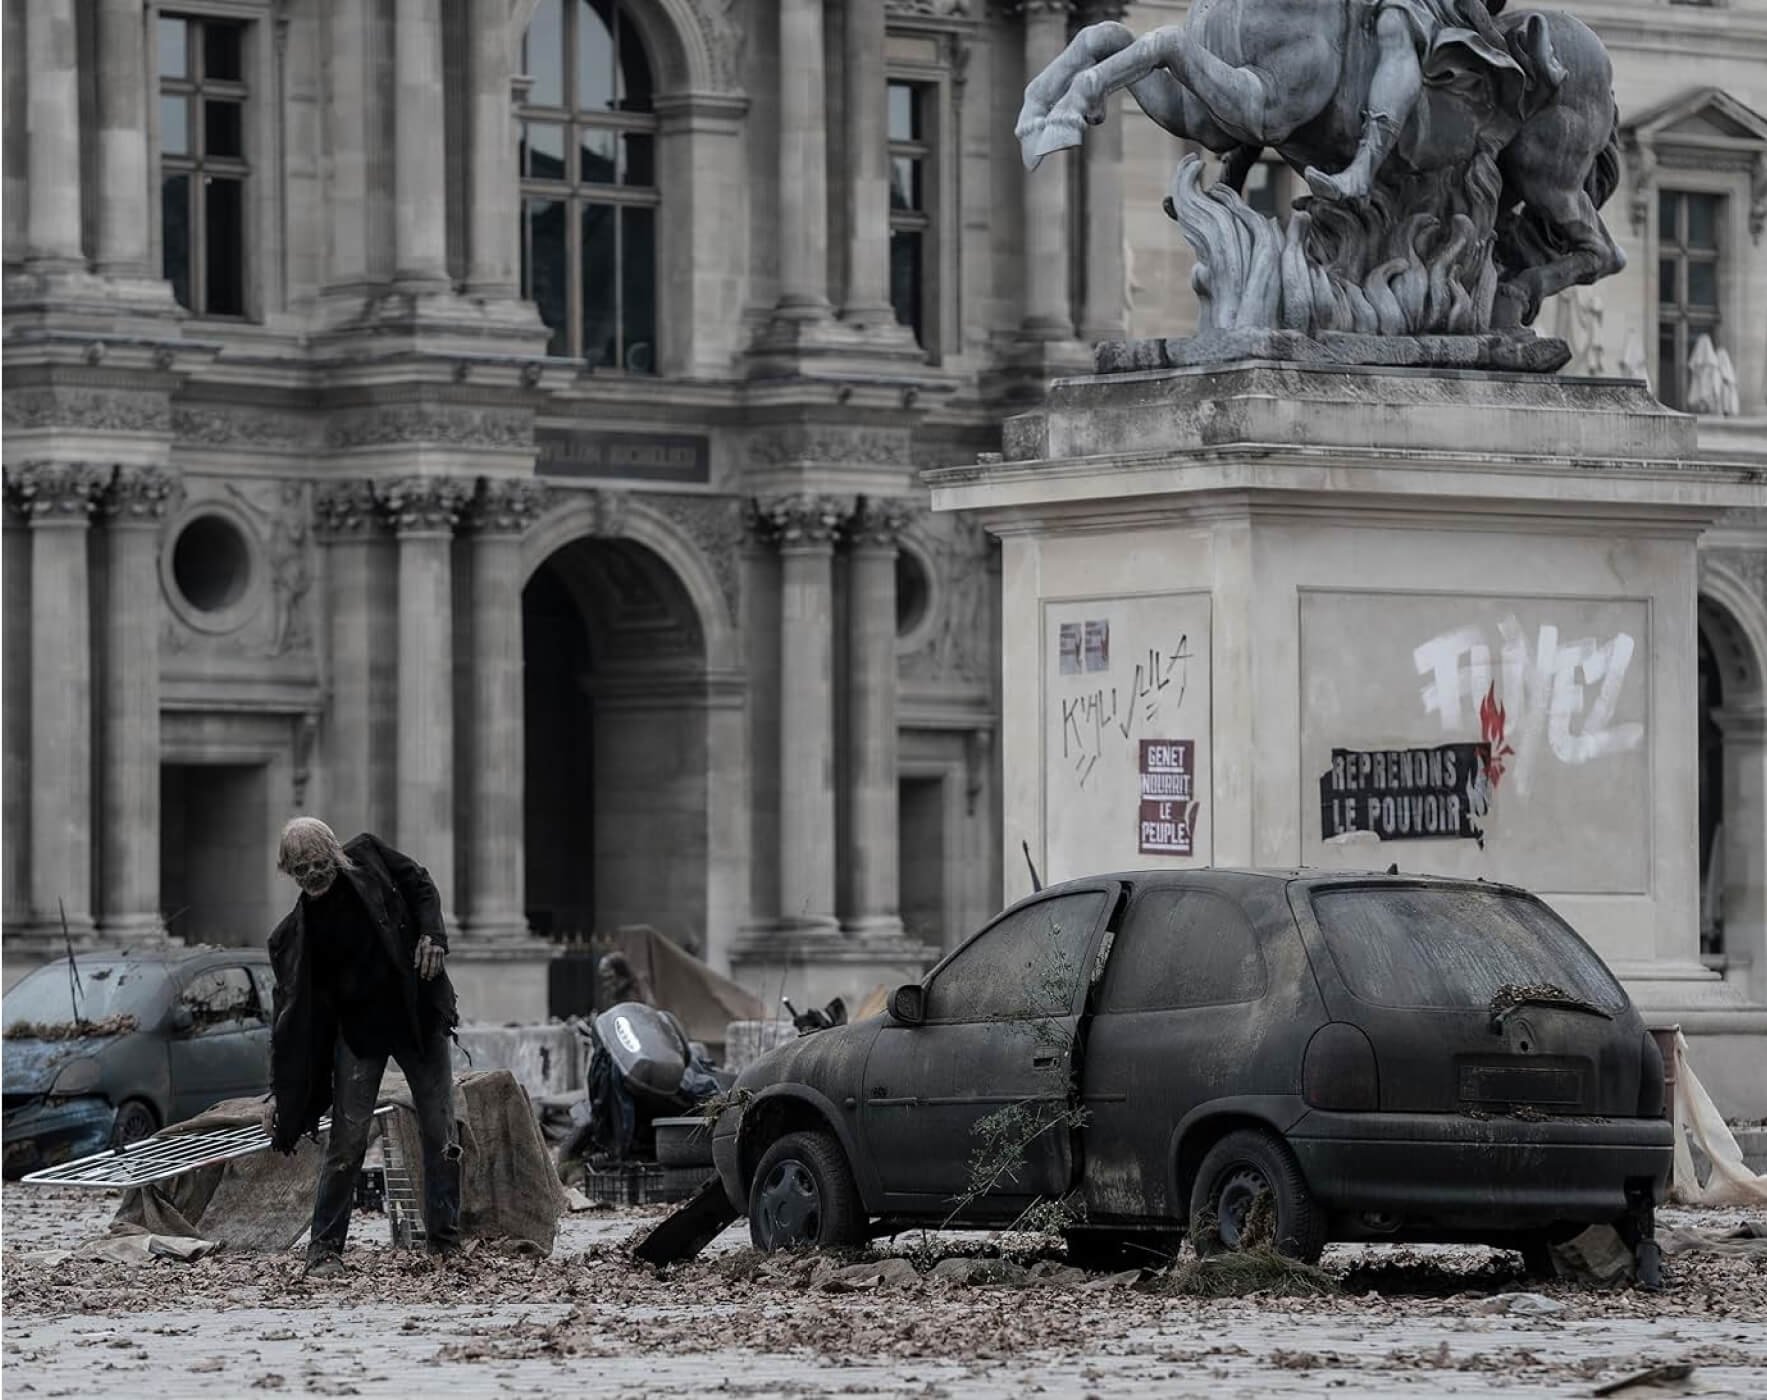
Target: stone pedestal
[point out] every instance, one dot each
(1275, 615)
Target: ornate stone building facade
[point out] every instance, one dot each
(496, 424)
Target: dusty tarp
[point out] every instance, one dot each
(703, 1001)
(263, 1202)
(1730, 1182)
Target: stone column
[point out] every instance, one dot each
(495, 867)
(866, 298)
(420, 227)
(16, 134)
(1102, 314)
(58, 498)
(349, 525)
(491, 174)
(53, 165)
(803, 164)
(422, 511)
(805, 528)
(872, 832)
(122, 242)
(129, 780)
(1048, 309)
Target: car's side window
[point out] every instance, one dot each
(1183, 948)
(222, 999)
(265, 978)
(1028, 964)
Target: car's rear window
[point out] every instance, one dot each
(1418, 946)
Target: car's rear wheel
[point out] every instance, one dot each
(135, 1120)
(1243, 1176)
(803, 1196)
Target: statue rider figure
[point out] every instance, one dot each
(1435, 41)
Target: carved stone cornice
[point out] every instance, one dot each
(930, 9)
(139, 496)
(877, 523)
(832, 444)
(802, 521)
(346, 509)
(56, 493)
(211, 425)
(505, 505)
(453, 425)
(85, 409)
(1030, 9)
(415, 505)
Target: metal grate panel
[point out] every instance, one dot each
(165, 1154)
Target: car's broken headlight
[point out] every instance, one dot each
(77, 1077)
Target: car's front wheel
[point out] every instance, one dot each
(1245, 1175)
(803, 1195)
(135, 1120)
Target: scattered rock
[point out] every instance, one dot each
(1519, 1305)
(978, 1272)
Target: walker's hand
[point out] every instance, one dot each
(270, 1115)
(428, 960)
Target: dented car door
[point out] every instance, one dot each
(223, 1051)
(992, 1062)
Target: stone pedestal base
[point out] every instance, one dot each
(811, 971)
(501, 983)
(1283, 615)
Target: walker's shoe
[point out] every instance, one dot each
(325, 1266)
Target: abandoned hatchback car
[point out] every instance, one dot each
(1385, 1057)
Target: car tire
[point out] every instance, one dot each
(1235, 1170)
(135, 1120)
(803, 1196)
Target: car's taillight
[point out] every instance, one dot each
(1339, 1071)
(1650, 1078)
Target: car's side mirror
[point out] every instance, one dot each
(180, 1020)
(908, 1004)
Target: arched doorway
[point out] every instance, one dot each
(1732, 749)
(616, 737)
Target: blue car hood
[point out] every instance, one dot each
(30, 1066)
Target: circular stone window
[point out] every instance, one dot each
(913, 591)
(211, 572)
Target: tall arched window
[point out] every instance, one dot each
(587, 136)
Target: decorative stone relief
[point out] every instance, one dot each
(611, 509)
(290, 555)
(139, 495)
(831, 443)
(422, 503)
(344, 508)
(877, 522)
(49, 491)
(90, 410)
(715, 525)
(931, 9)
(725, 26)
(209, 425)
(506, 505)
(955, 648)
(1747, 565)
(382, 425)
(803, 521)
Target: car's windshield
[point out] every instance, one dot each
(1423, 946)
(107, 988)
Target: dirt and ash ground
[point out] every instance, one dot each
(956, 1315)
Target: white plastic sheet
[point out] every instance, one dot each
(1730, 1183)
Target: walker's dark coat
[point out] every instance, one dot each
(404, 905)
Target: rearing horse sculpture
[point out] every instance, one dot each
(1373, 99)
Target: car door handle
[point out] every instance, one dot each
(1044, 1061)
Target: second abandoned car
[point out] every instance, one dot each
(1387, 1057)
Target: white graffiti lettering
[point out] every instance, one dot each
(1561, 696)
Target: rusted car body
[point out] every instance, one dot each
(158, 1036)
(1390, 1057)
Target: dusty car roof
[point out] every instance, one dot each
(1302, 875)
(164, 957)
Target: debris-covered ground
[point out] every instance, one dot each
(952, 1316)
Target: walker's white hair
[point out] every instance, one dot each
(309, 839)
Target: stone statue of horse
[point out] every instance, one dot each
(1241, 75)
